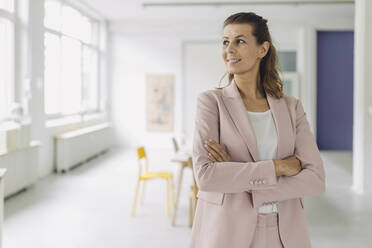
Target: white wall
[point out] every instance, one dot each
(139, 48)
(165, 47)
(133, 58)
(202, 70)
(362, 131)
(165, 51)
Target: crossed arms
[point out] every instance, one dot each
(213, 173)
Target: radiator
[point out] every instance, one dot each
(77, 146)
(22, 166)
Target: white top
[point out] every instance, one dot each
(267, 141)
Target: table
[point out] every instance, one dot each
(184, 158)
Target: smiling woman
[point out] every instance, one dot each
(245, 47)
(254, 156)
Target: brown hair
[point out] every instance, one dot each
(269, 75)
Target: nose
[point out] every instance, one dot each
(230, 48)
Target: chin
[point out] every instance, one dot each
(236, 71)
(233, 70)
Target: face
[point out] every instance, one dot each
(240, 51)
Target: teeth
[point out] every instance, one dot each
(233, 60)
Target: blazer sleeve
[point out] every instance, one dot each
(311, 179)
(227, 177)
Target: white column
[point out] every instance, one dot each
(362, 129)
(36, 105)
(306, 67)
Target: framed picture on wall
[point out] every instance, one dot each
(291, 83)
(159, 102)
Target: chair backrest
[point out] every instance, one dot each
(175, 144)
(141, 154)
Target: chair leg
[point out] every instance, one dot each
(135, 198)
(190, 211)
(172, 193)
(143, 191)
(168, 213)
(195, 202)
(178, 193)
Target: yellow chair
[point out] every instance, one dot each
(147, 175)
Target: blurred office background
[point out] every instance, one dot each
(85, 84)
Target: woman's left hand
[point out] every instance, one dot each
(216, 151)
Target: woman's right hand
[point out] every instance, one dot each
(289, 166)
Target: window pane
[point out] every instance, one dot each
(71, 71)
(76, 25)
(52, 17)
(85, 30)
(94, 36)
(6, 66)
(90, 79)
(7, 5)
(71, 85)
(287, 60)
(52, 74)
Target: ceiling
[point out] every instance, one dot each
(121, 10)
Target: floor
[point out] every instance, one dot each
(90, 207)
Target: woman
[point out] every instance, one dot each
(254, 155)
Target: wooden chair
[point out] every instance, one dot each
(147, 175)
(175, 144)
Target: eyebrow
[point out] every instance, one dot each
(240, 35)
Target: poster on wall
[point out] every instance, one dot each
(159, 102)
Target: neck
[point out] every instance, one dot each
(247, 85)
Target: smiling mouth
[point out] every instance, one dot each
(233, 61)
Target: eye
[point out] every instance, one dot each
(225, 42)
(240, 41)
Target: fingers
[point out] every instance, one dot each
(216, 151)
(212, 152)
(215, 155)
(212, 157)
(216, 147)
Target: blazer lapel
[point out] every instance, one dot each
(238, 113)
(284, 127)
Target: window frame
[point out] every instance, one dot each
(11, 17)
(95, 47)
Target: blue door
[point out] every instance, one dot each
(335, 50)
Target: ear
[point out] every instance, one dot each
(264, 49)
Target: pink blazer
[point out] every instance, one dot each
(226, 214)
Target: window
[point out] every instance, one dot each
(6, 59)
(7, 5)
(71, 73)
(287, 60)
(289, 75)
